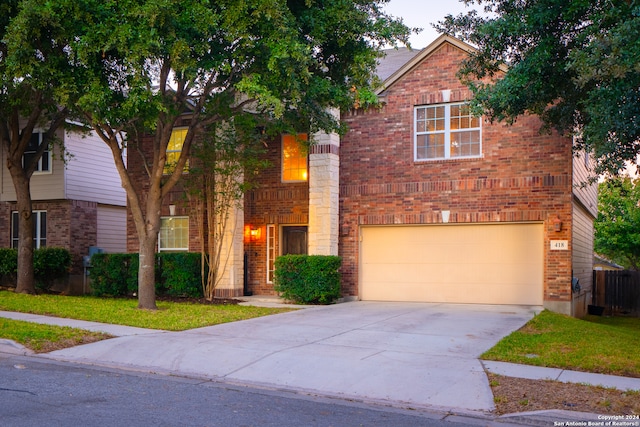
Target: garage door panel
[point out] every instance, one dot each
(492, 264)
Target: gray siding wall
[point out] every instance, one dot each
(91, 172)
(112, 229)
(587, 195)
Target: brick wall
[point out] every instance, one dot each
(273, 202)
(71, 225)
(523, 175)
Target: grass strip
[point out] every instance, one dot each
(607, 345)
(170, 316)
(45, 338)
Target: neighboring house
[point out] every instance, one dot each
(601, 263)
(423, 201)
(76, 205)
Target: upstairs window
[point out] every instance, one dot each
(174, 148)
(294, 158)
(44, 163)
(446, 131)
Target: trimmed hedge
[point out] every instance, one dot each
(177, 274)
(114, 274)
(8, 266)
(308, 279)
(49, 265)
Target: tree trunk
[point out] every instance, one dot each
(146, 272)
(25, 277)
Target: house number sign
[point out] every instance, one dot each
(559, 245)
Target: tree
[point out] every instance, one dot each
(617, 228)
(575, 64)
(225, 166)
(38, 77)
(151, 61)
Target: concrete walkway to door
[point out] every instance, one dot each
(408, 354)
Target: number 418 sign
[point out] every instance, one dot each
(559, 245)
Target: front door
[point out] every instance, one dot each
(294, 240)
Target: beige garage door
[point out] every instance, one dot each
(485, 264)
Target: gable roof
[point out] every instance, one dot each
(399, 62)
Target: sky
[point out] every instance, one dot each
(422, 13)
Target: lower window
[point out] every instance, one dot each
(39, 229)
(174, 234)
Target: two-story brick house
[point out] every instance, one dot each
(78, 202)
(423, 201)
(437, 205)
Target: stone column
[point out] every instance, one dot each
(324, 166)
(232, 256)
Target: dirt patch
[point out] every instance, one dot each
(513, 395)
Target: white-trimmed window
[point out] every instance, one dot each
(39, 229)
(294, 158)
(44, 163)
(174, 234)
(271, 251)
(446, 131)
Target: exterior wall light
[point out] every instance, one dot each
(254, 233)
(557, 223)
(445, 216)
(172, 210)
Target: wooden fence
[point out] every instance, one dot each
(618, 291)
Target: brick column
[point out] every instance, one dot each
(324, 165)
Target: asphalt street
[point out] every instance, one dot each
(34, 392)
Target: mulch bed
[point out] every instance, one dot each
(512, 395)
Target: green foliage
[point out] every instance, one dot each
(117, 274)
(8, 266)
(45, 338)
(114, 274)
(617, 227)
(123, 311)
(308, 279)
(573, 63)
(599, 344)
(179, 274)
(50, 265)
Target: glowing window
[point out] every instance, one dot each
(174, 148)
(294, 158)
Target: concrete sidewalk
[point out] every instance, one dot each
(407, 355)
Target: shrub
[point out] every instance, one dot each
(114, 274)
(179, 275)
(8, 266)
(308, 279)
(49, 265)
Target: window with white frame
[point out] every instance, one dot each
(271, 251)
(39, 229)
(446, 131)
(174, 234)
(44, 163)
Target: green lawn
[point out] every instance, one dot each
(170, 316)
(44, 338)
(607, 345)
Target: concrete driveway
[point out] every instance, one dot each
(407, 354)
